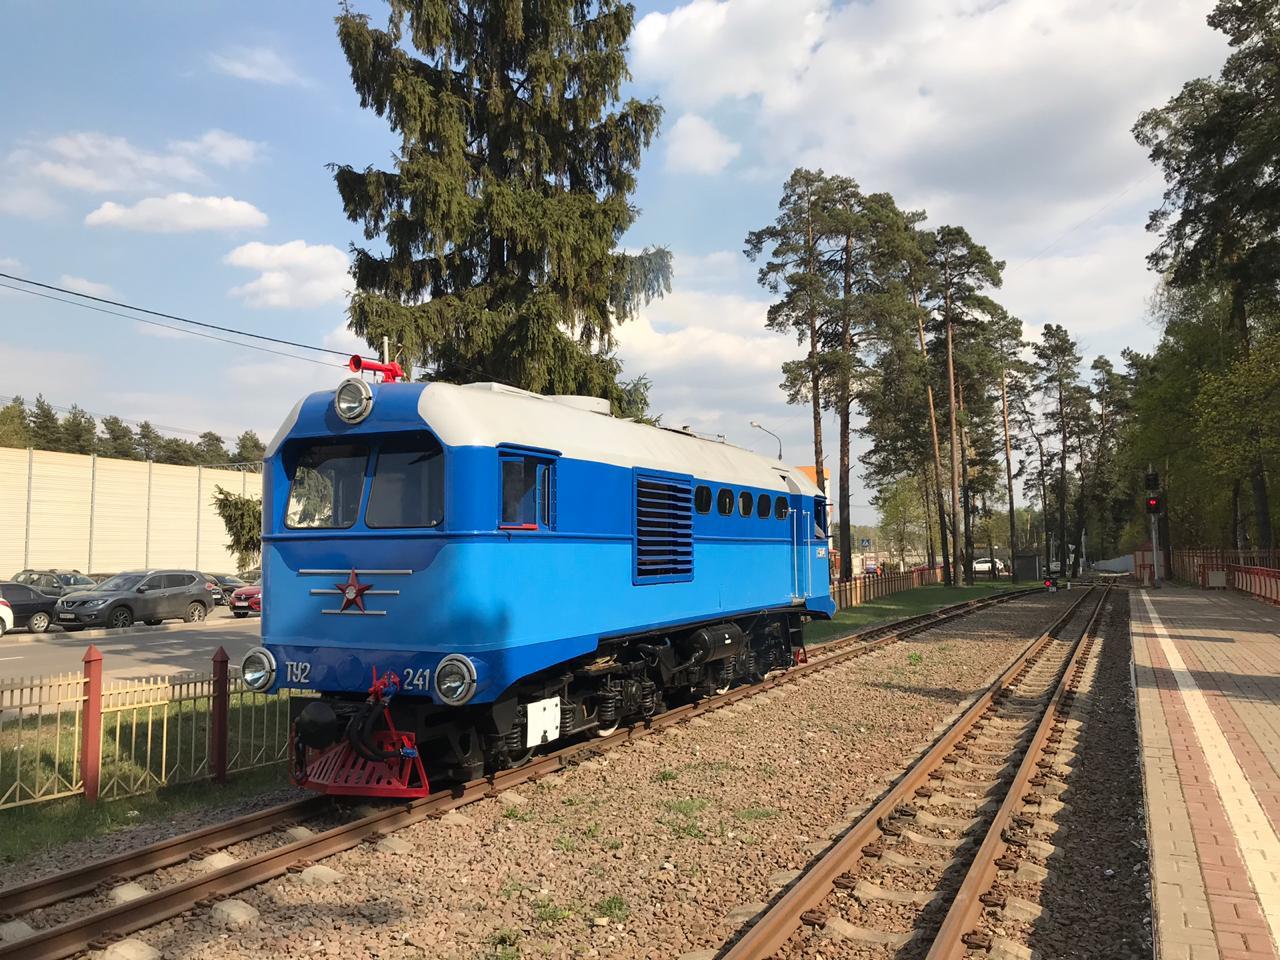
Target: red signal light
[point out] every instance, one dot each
(1153, 504)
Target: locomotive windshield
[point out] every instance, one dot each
(408, 484)
(325, 490)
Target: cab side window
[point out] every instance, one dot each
(528, 492)
(153, 583)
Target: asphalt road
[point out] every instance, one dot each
(184, 648)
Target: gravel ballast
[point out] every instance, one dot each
(647, 851)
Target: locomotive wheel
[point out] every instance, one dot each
(603, 732)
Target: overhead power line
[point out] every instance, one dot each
(166, 316)
(168, 326)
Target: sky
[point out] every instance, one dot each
(174, 156)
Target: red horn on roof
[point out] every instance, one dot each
(391, 372)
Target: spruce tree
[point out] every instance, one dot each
(497, 227)
(46, 429)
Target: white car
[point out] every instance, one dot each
(6, 617)
(983, 565)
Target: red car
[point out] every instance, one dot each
(247, 600)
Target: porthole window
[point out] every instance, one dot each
(745, 503)
(780, 509)
(702, 499)
(763, 506)
(724, 502)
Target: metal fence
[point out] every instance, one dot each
(873, 586)
(1195, 565)
(77, 735)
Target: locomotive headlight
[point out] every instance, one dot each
(456, 679)
(353, 401)
(258, 669)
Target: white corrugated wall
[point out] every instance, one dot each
(102, 516)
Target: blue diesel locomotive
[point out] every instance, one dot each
(457, 575)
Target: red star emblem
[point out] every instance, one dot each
(353, 592)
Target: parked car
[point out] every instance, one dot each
(986, 565)
(215, 588)
(247, 600)
(871, 567)
(151, 596)
(228, 583)
(30, 608)
(6, 617)
(53, 582)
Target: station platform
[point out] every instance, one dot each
(1207, 675)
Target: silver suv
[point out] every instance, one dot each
(150, 596)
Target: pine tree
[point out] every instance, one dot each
(15, 430)
(960, 271)
(46, 430)
(150, 442)
(211, 449)
(501, 218)
(1058, 374)
(1218, 144)
(249, 449)
(79, 432)
(117, 440)
(794, 269)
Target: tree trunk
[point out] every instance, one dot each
(1062, 479)
(937, 454)
(955, 448)
(815, 378)
(966, 500)
(1257, 472)
(843, 399)
(926, 495)
(1008, 472)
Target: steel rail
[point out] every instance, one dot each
(79, 881)
(775, 927)
(75, 935)
(966, 908)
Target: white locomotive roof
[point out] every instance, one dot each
(486, 414)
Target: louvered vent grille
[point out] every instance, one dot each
(664, 529)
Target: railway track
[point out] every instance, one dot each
(97, 926)
(915, 873)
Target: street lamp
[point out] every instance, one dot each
(757, 425)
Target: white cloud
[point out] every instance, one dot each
(21, 196)
(710, 50)
(98, 162)
(294, 274)
(179, 213)
(695, 146)
(220, 148)
(1011, 118)
(341, 338)
(91, 287)
(259, 64)
(11, 264)
(92, 162)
